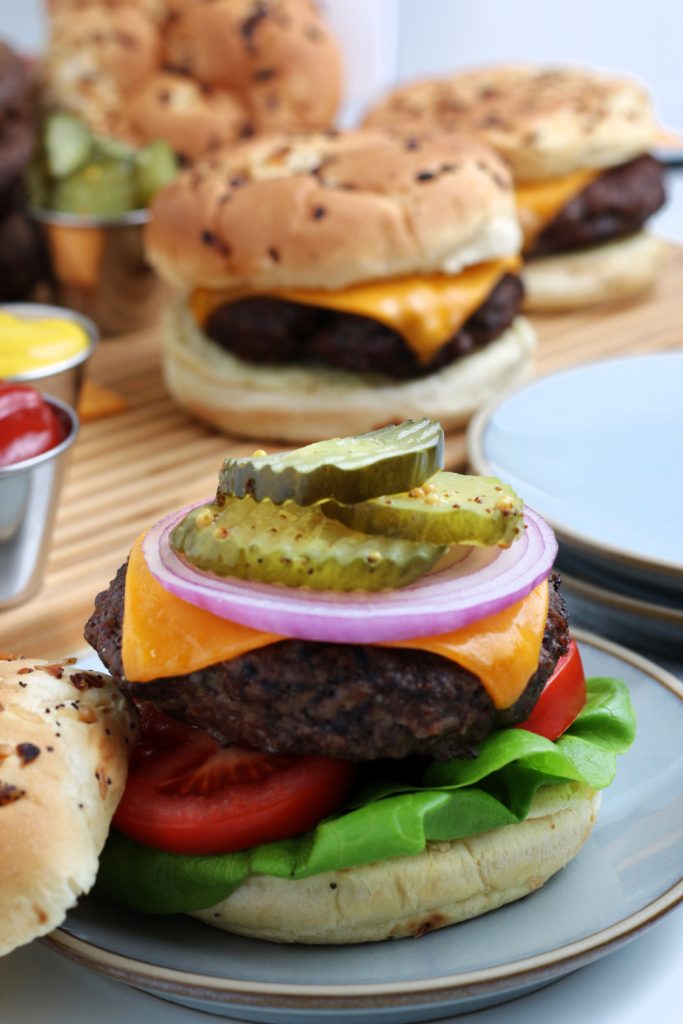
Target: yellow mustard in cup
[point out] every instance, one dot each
(28, 344)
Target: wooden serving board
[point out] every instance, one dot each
(131, 468)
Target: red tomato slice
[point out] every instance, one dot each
(187, 794)
(562, 699)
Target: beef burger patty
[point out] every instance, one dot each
(614, 205)
(358, 702)
(273, 331)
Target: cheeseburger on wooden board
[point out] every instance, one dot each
(578, 144)
(334, 283)
(362, 713)
(197, 74)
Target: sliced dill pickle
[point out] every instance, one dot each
(298, 547)
(451, 508)
(67, 142)
(347, 469)
(103, 188)
(155, 166)
(109, 148)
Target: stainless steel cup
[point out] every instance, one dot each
(29, 492)
(62, 380)
(100, 268)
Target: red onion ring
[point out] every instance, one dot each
(470, 590)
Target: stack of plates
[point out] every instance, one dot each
(598, 451)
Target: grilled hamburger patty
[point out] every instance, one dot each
(264, 330)
(614, 205)
(359, 702)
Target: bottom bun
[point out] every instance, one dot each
(408, 896)
(603, 273)
(301, 403)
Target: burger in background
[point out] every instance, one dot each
(337, 282)
(195, 74)
(23, 262)
(578, 144)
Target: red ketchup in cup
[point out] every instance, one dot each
(29, 426)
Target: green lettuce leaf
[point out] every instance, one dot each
(455, 799)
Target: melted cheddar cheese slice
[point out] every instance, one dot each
(538, 202)
(425, 311)
(164, 636)
(502, 649)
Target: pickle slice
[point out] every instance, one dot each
(107, 147)
(155, 166)
(102, 188)
(67, 142)
(295, 546)
(347, 469)
(451, 508)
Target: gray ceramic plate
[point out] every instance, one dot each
(627, 876)
(597, 450)
(645, 624)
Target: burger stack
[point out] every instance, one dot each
(197, 74)
(579, 146)
(337, 283)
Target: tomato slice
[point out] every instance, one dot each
(562, 698)
(187, 794)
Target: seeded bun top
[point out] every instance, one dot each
(199, 74)
(546, 122)
(65, 739)
(331, 210)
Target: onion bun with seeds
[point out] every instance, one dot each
(199, 75)
(310, 225)
(564, 132)
(65, 739)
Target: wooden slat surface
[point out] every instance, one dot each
(131, 468)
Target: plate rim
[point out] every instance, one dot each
(621, 602)
(483, 981)
(481, 464)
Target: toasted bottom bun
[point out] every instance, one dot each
(408, 896)
(64, 743)
(603, 273)
(292, 403)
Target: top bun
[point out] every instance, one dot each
(65, 739)
(332, 210)
(198, 74)
(546, 122)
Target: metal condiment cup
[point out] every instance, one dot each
(100, 268)
(63, 379)
(29, 493)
